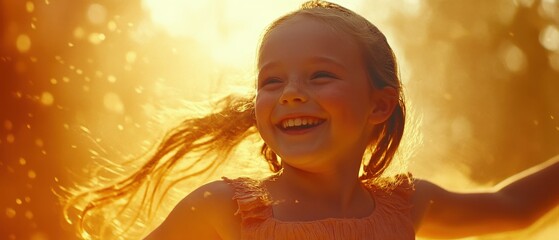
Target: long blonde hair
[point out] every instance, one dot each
(213, 137)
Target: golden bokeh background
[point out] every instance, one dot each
(87, 80)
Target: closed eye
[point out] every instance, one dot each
(269, 81)
(323, 74)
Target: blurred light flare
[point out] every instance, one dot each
(10, 212)
(96, 38)
(23, 43)
(131, 57)
(47, 98)
(79, 33)
(549, 8)
(29, 6)
(96, 13)
(549, 37)
(513, 57)
(8, 125)
(228, 31)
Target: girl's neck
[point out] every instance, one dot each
(308, 196)
(338, 187)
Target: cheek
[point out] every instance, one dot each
(262, 109)
(350, 106)
(345, 99)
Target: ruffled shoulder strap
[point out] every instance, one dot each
(394, 192)
(254, 204)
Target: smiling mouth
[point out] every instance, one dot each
(300, 123)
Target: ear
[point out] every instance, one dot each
(384, 101)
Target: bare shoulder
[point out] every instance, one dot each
(206, 213)
(211, 195)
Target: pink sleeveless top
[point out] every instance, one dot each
(391, 218)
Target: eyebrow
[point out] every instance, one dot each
(314, 60)
(325, 59)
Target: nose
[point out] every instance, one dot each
(293, 93)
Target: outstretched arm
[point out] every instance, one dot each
(516, 203)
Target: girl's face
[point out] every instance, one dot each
(314, 98)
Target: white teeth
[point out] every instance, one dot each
(296, 122)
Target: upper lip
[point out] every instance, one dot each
(284, 119)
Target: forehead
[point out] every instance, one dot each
(304, 37)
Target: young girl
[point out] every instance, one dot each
(330, 110)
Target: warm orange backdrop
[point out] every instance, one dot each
(85, 80)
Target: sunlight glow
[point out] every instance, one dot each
(228, 31)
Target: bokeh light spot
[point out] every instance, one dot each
(8, 125)
(548, 8)
(96, 38)
(96, 13)
(131, 57)
(23, 43)
(111, 79)
(506, 11)
(10, 138)
(111, 25)
(513, 58)
(79, 33)
(549, 38)
(10, 212)
(28, 214)
(113, 103)
(31, 174)
(22, 161)
(139, 89)
(39, 142)
(85, 129)
(18, 201)
(29, 6)
(47, 98)
(98, 74)
(39, 236)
